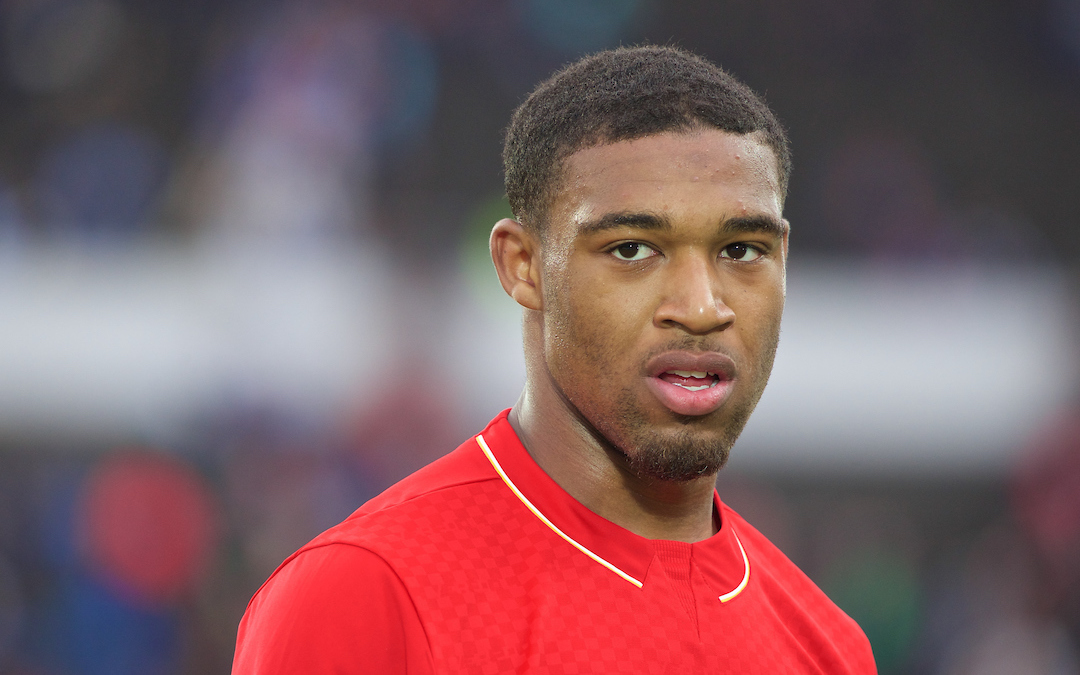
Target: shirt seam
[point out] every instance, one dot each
(389, 566)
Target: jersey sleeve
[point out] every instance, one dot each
(336, 609)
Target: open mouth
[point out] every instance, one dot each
(691, 380)
(691, 383)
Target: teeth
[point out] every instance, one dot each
(699, 374)
(690, 388)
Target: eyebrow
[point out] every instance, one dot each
(651, 221)
(754, 224)
(638, 221)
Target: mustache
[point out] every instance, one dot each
(690, 343)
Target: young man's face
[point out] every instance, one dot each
(663, 285)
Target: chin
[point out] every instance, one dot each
(681, 455)
(696, 447)
(658, 444)
(679, 464)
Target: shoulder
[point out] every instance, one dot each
(429, 502)
(410, 519)
(325, 577)
(423, 501)
(332, 607)
(344, 583)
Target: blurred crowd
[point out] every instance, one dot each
(370, 131)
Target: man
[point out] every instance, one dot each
(581, 532)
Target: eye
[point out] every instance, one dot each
(632, 250)
(741, 252)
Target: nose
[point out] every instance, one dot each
(692, 298)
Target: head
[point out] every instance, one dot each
(649, 254)
(620, 95)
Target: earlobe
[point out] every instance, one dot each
(516, 254)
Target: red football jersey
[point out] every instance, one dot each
(481, 563)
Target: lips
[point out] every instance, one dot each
(691, 383)
(691, 380)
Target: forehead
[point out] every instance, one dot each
(712, 171)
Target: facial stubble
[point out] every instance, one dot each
(686, 453)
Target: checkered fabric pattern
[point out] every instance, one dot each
(451, 571)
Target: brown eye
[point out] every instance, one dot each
(632, 250)
(741, 252)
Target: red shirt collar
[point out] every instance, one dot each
(720, 558)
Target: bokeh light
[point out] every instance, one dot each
(148, 526)
(1046, 495)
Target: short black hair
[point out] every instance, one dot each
(620, 95)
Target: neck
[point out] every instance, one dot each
(585, 465)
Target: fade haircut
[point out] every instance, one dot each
(621, 95)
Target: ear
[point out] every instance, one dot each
(516, 254)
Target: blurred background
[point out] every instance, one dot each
(244, 287)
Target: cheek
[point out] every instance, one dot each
(767, 308)
(764, 331)
(576, 333)
(612, 318)
(760, 303)
(587, 328)
(758, 310)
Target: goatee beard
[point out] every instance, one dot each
(677, 462)
(683, 457)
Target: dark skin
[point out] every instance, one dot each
(672, 247)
